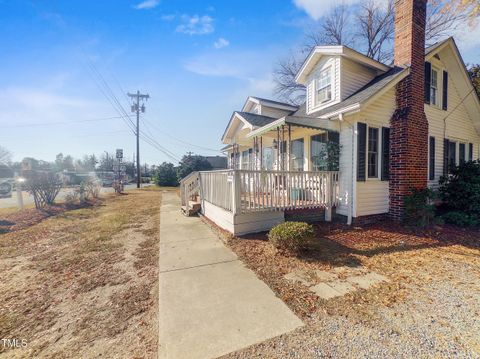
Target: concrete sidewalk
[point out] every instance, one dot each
(210, 304)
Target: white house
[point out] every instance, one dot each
(396, 127)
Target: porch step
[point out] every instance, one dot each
(194, 208)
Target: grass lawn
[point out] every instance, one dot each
(84, 282)
(429, 307)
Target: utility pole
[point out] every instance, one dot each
(137, 108)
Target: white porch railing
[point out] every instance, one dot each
(245, 191)
(189, 190)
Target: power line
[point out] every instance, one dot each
(39, 124)
(180, 140)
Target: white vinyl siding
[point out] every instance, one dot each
(457, 127)
(353, 77)
(326, 62)
(372, 196)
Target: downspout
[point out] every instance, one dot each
(350, 207)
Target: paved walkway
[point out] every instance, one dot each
(210, 304)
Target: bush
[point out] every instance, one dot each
(291, 236)
(460, 219)
(460, 192)
(419, 209)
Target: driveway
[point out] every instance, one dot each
(209, 303)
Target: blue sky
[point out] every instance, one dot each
(198, 60)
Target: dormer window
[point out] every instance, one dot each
(434, 88)
(323, 87)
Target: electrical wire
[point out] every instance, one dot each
(39, 124)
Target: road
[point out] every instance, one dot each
(28, 199)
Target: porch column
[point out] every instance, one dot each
(261, 152)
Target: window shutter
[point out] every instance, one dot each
(431, 173)
(446, 146)
(445, 91)
(428, 79)
(470, 151)
(361, 150)
(385, 153)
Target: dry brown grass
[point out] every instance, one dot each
(84, 282)
(403, 255)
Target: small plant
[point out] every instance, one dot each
(71, 198)
(291, 236)
(44, 186)
(419, 207)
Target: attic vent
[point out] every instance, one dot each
(436, 56)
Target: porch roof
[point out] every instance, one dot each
(308, 122)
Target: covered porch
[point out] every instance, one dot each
(288, 144)
(246, 201)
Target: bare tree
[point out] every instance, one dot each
(441, 23)
(371, 32)
(333, 30)
(5, 155)
(286, 87)
(376, 29)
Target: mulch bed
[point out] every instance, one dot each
(383, 247)
(28, 217)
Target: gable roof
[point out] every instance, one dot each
(459, 73)
(378, 85)
(269, 103)
(337, 50)
(255, 119)
(252, 120)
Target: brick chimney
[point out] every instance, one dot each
(409, 126)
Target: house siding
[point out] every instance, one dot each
(373, 194)
(458, 126)
(334, 62)
(353, 76)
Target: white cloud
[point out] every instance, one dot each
(221, 42)
(147, 4)
(318, 8)
(196, 25)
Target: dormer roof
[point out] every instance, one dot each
(338, 50)
(266, 102)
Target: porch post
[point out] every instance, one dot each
(278, 148)
(289, 148)
(328, 207)
(261, 152)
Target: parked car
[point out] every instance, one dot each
(6, 182)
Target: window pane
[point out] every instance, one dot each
(267, 158)
(452, 154)
(319, 152)
(323, 86)
(297, 155)
(372, 152)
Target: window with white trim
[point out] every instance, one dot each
(372, 158)
(434, 88)
(323, 86)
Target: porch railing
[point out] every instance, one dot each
(245, 191)
(189, 189)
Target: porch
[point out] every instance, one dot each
(246, 201)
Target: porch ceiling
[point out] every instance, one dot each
(307, 122)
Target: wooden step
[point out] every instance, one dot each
(194, 208)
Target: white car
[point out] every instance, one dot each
(6, 182)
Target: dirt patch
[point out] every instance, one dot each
(84, 283)
(430, 276)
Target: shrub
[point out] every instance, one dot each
(44, 186)
(166, 175)
(460, 219)
(291, 236)
(460, 192)
(419, 209)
